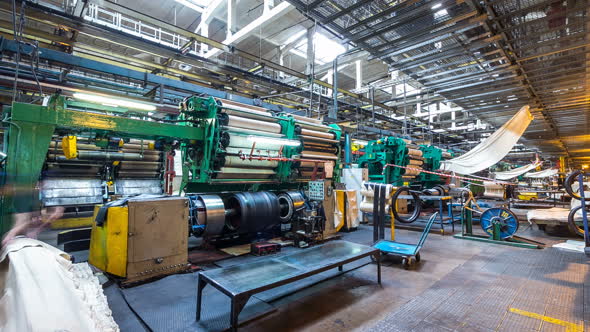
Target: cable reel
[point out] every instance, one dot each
(500, 223)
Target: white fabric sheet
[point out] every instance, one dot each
(511, 174)
(494, 148)
(542, 174)
(41, 290)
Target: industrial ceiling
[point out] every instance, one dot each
(485, 58)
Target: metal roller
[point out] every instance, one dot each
(241, 122)
(207, 212)
(101, 155)
(243, 131)
(138, 174)
(315, 133)
(289, 203)
(309, 174)
(79, 146)
(233, 150)
(252, 212)
(241, 141)
(244, 173)
(306, 119)
(234, 161)
(328, 149)
(318, 155)
(248, 111)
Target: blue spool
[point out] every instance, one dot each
(505, 218)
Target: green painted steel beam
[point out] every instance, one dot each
(79, 120)
(513, 243)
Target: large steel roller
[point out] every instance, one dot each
(252, 212)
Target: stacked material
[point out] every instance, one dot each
(320, 144)
(415, 162)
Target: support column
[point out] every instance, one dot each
(310, 52)
(231, 17)
(204, 31)
(359, 74)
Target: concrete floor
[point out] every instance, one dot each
(458, 286)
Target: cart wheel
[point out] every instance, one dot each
(405, 263)
(417, 257)
(411, 261)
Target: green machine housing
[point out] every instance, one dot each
(200, 132)
(402, 152)
(432, 156)
(382, 152)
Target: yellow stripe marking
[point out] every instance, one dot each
(569, 327)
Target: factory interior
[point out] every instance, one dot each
(294, 165)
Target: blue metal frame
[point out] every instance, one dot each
(69, 59)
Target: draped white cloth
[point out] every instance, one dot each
(542, 174)
(511, 174)
(42, 291)
(494, 148)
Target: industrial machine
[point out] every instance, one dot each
(246, 172)
(398, 161)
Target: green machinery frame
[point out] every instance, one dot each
(432, 159)
(394, 150)
(31, 128)
(379, 153)
(198, 157)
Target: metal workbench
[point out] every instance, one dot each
(239, 282)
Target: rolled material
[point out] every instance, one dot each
(241, 122)
(318, 155)
(318, 139)
(244, 173)
(447, 155)
(130, 165)
(234, 161)
(416, 162)
(415, 153)
(412, 172)
(368, 207)
(315, 133)
(311, 164)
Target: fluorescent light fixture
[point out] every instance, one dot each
(112, 101)
(272, 140)
(440, 13)
(2, 155)
(438, 5)
(194, 5)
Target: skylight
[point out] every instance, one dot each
(326, 49)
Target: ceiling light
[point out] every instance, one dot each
(438, 5)
(112, 101)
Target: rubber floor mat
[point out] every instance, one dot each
(169, 304)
